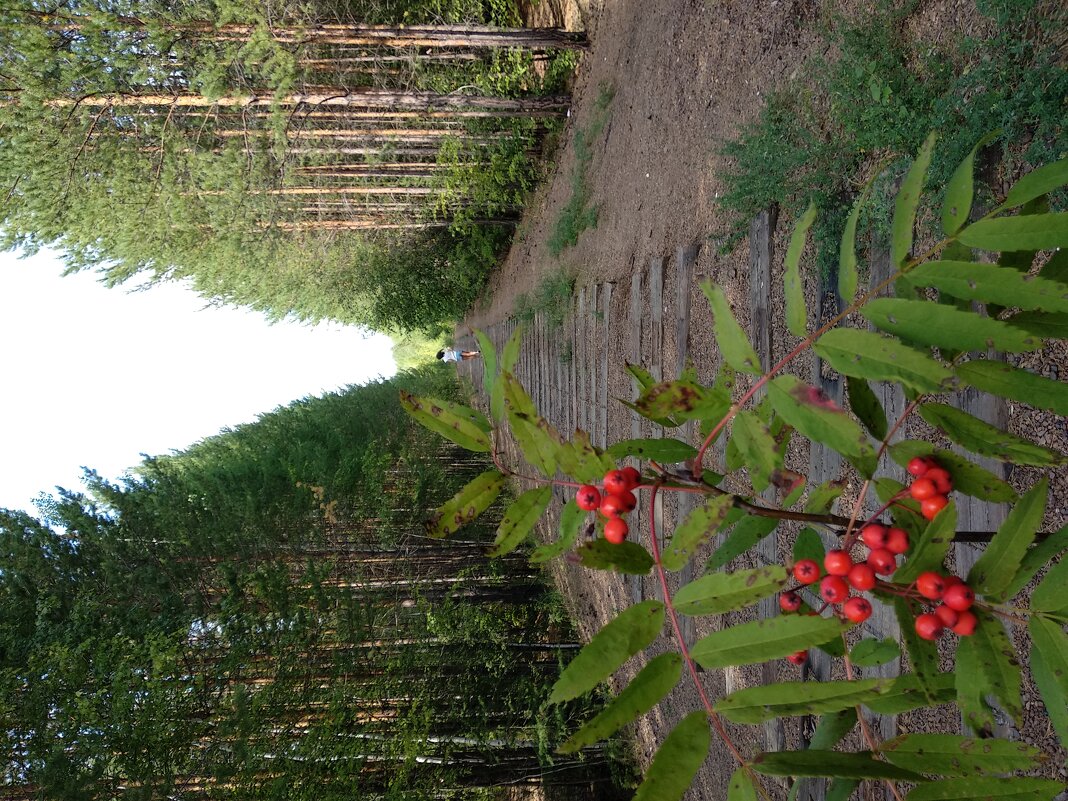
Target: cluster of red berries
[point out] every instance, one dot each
(933, 483)
(615, 501)
(954, 613)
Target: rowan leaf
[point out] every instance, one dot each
(990, 283)
(1007, 381)
(1023, 232)
(992, 575)
(467, 504)
(808, 545)
(539, 442)
(928, 552)
(508, 359)
(906, 203)
(855, 765)
(695, 530)
(489, 363)
(742, 787)
(956, 755)
(796, 316)
(571, 518)
(906, 693)
(870, 652)
(792, 698)
(1037, 183)
(682, 400)
(1049, 668)
(866, 354)
(628, 557)
(581, 460)
(677, 761)
(747, 532)
(998, 663)
(665, 451)
(866, 406)
(847, 252)
(520, 518)
(645, 690)
(926, 323)
(760, 640)
(822, 498)
(724, 592)
(968, 478)
(633, 630)
(971, 687)
(960, 189)
(457, 423)
(923, 654)
(904, 511)
(1036, 558)
(972, 788)
(757, 447)
(1049, 595)
(802, 407)
(982, 438)
(1039, 324)
(730, 338)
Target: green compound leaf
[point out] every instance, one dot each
(960, 190)
(539, 442)
(796, 403)
(847, 253)
(989, 283)
(1049, 595)
(866, 406)
(973, 788)
(998, 664)
(665, 451)
(971, 686)
(822, 498)
(571, 518)
(904, 511)
(908, 200)
(869, 653)
(1050, 326)
(1049, 668)
(760, 640)
(1037, 183)
(796, 316)
(460, 424)
(954, 755)
(833, 728)
(520, 518)
(993, 573)
(1036, 559)
(982, 438)
(757, 447)
(633, 630)
(809, 545)
(509, 356)
(923, 654)
(695, 530)
(723, 592)
(791, 698)
(466, 505)
(968, 478)
(628, 557)
(677, 760)
(930, 550)
(489, 361)
(742, 787)
(730, 338)
(1025, 232)
(858, 765)
(866, 354)
(748, 532)
(926, 323)
(682, 400)
(642, 694)
(906, 693)
(582, 461)
(1007, 381)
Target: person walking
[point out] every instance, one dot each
(456, 355)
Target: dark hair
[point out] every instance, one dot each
(441, 353)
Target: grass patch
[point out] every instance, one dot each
(552, 297)
(876, 103)
(577, 214)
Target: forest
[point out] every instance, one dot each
(283, 157)
(263, 615)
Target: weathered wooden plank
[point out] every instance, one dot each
(606, 327)
(581, 348)
(593, 351)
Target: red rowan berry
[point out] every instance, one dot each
(922, 489)
(930, 585)
(837, 563)
(929, 627)
(789, 601)
(874, 535)
(615, 481)
(634, 478)
(882, 562)
(613, 506)
(959, 597)
(588, 498)
(833, 589)
(615, 530)
(628, 499)
(897, 540)
(861, 577)
(941, 479)
(857, 609)
(806, 571)
(949, 617)
(799, 658)
(932, 506)
(966, 623)
(917, 466)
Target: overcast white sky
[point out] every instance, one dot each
(96, 376)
